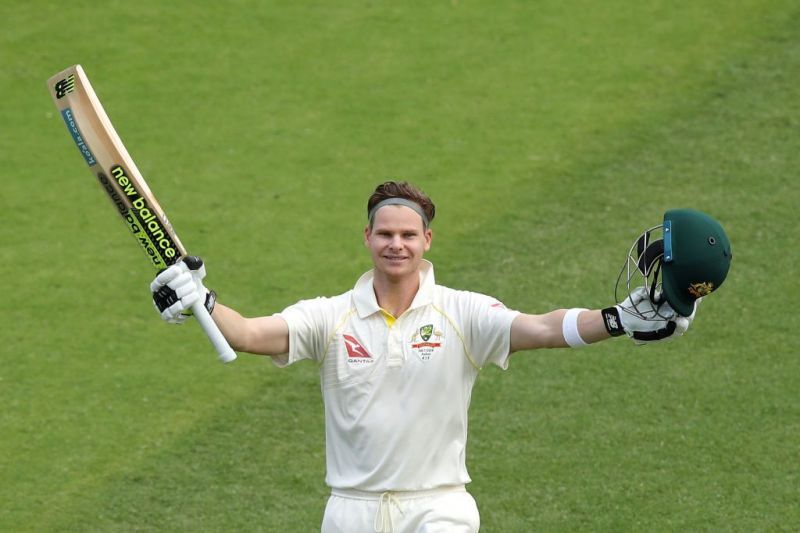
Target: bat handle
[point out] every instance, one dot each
(226, 354)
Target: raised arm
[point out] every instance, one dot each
(178, 287)
(637, 317)
(265, 335)
(530, 332)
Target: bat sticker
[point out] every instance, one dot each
(72, 126)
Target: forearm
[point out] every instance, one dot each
(591, 327)
(530, 332)
(268, 335)
(638, 317)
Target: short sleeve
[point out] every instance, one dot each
(488, 330)
(308, 330)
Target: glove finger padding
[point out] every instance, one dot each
(646, 321)
(665, 333)
(176, 289)
(173, 314)
(186, 289)
(637, 296)
(681, 325)
(164, 298)
(167, 275)
(638, 303)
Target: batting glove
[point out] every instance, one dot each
(177, 288)
(645, 321)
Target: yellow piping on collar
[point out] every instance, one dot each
(388, 317)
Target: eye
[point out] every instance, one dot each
(712, 241)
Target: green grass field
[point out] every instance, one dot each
(548, 133)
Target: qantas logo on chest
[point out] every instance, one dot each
(355, 352)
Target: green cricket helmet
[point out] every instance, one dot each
(690, 260)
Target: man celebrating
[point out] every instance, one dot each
(398, 356)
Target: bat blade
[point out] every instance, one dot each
(102, 150)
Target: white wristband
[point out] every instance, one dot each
(569, 328)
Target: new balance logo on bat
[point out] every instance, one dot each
(146, 216)
(65, 86)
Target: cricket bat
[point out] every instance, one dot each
(107, 158)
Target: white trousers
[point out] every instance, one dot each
(443, 510)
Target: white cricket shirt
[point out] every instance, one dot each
(396, 396)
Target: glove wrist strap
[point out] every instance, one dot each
(612, 321)
(211, 301)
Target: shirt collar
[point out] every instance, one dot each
(364, 294)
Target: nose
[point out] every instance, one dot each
(396, 242)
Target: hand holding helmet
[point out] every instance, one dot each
(671, 275)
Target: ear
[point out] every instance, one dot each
(428, 238)
(367, 234)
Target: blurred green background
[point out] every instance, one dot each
(549, 134)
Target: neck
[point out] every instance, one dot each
(395, 295)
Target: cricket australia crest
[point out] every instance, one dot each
(698, 290)
(426, 342)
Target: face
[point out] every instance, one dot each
(397, 241)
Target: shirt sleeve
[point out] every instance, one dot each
(308, 330)
(488, 330)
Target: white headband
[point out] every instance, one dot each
(399, 201)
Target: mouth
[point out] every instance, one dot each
(395, 258)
